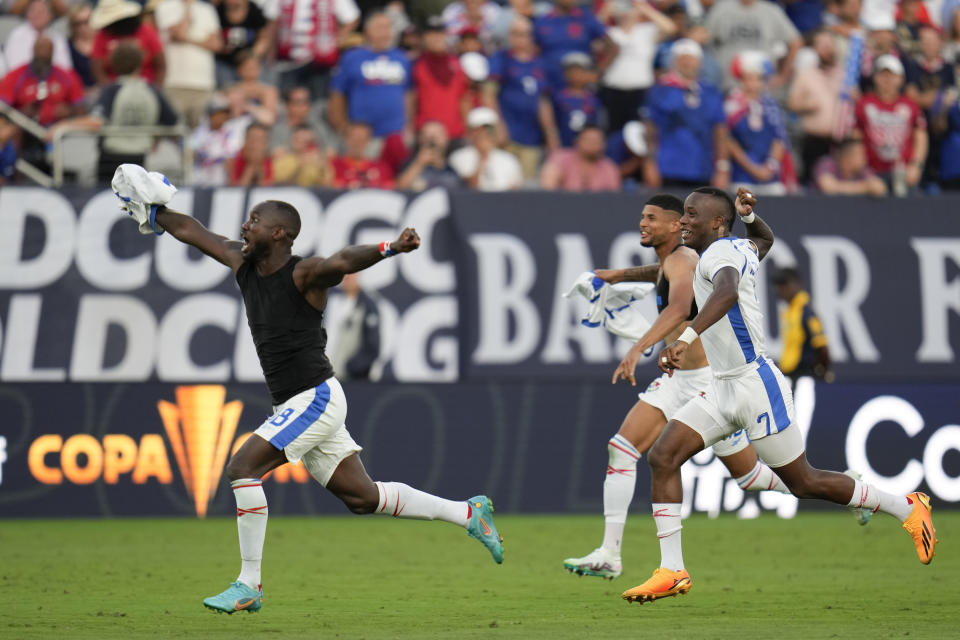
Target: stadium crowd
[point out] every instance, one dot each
(839, 96)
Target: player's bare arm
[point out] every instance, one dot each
(725, 295)
(645, 273)
(758, 231)
(190, 231)
(323, 273)
(678, 269)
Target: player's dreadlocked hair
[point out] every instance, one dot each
(667, 202)
(730, 217)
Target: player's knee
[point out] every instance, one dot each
(661, 458)
(236, 469)
(360, 504)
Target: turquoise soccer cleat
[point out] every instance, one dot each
(482, 528)
(237, 597)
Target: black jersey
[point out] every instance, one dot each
(663, 293)
(286, 330)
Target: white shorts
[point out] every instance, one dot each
(670, 393)
(311, 426)
(759, 402)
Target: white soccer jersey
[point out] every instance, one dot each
(737, 338)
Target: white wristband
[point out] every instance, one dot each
(688, 335)
(749, 219)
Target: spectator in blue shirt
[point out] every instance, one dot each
(576, 105)
(565, 29)
(757, 136)
(950, 149)
(373, 83)
(8, 151)
(685, 126)
(518, 90)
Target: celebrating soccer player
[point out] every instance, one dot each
(284, 296)
(674, 274)
(749, 392)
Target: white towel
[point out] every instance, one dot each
(140, 192)
(614, 307)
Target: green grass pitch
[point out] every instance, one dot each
(818, 576)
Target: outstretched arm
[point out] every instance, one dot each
(678, 269)
(645, 273)
(724, 296)
(323, 273)
(758, 231)
(188, 230)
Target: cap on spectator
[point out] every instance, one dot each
(109, 11)
(686, 47)
(218, 102)
(469, 31)
(751, 62)
(475, 65)
(577, 59)
(634, 137)
(434, 23)
(482, 117)
(879, 21)
(888, 62)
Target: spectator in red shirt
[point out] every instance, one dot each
(117, 21)
(441, 83)
(253, 166)
(893, 127)
(582, 168)
(353, 169)
(41, 90)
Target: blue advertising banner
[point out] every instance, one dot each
(159, 449)
(85, 298)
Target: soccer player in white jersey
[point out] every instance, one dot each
(673, 274)
(749, 392)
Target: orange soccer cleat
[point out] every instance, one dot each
(663, 584)
(919, 525)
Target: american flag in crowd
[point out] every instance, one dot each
(851, 80)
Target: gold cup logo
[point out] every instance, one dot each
(201, 428)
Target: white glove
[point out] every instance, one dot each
(140, 192)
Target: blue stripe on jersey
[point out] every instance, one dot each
(780, 416)
(310, 415)
(740, 330)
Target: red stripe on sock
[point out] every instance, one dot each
(629, 453)
(252, 484)
(613, 470)
(752, 480)
(253, 510)
(384, 505)
(395, 512)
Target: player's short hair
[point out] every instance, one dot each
(287, 214)
(730, 215)
(666, 201)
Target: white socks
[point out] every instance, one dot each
(762, 478)
(402, 501)
(251, 528)
(618, 490)
(867, 496)
(667, 517)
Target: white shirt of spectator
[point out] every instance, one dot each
(633, 66)
(18, 50)
(346, 11)
(502, 171)
(735, 27)
(212, 148)
(190, 66)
